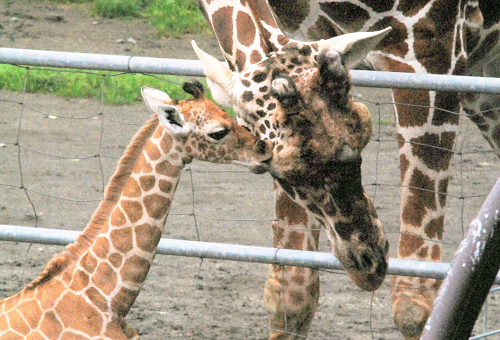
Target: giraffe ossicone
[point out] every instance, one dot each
(299, 98)
(86, 292)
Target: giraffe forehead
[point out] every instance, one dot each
(201, 111)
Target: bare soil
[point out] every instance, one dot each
(55, 177)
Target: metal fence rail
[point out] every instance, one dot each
(130, 64)
(233, 252)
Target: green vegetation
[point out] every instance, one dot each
(117, 8)
(119, 89)
(169, 17)
(176, 17)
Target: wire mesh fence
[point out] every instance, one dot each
(57, 155)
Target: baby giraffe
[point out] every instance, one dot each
(85, 292)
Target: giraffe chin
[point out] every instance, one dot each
(367, 282)
(259, 168)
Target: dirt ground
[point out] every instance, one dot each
(68, 150)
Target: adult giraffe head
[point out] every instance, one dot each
(298, 97)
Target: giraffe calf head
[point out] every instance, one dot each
(205, 131)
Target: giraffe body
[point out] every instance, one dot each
(458, 37)
(86, 292)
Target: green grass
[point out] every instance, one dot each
(170, 18)
(119, 89)
(176, 17)
(117, 8)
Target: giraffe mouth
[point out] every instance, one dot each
(260, 168)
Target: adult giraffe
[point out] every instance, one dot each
(86, 292)
(297, 94)
(429, 36)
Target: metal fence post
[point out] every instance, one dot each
(470, 276)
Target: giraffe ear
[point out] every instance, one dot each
(173, 120)
(217, 72)
(154, 98)
(354, 46)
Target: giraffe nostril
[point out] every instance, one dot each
(366, 262)
(382, 267)
(261, 146)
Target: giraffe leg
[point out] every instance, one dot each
(291, 293)
(425, 156)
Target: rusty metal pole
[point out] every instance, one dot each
(470, 276)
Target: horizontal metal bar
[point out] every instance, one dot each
(100, 62)
(232, 252)
(430, 82)
(130, 64)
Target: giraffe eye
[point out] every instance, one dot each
(218, 135)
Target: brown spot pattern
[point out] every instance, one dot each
(132, 188)
(122, 240)
(448, 101)
(122, 300)
(165, 186)
(411, 7)
(156, 205)
(292, 14)
(50, 325)
(420, 198)
(17, 322)
(89, 321)
(35, 312)
(97, 298)
(105, 278)
(350, 15)
(395, 41)
(47, 300)
(379, 5)
(117, 217)
(414, 111)
(135, 269)
(166, 168)
(115, 259)
(434, 229)
(295, 240)
(152, 151)
(132, 209)
(436, 252)
(147, 237)
(80, 279)
(409, 245)
(403, 165)
(223, 27)
(147, 182)
(89, 263)
(101, 247)
(245, 29)
(434, 150)
(290, 211)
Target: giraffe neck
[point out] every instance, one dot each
(119, 259)
(246, 30)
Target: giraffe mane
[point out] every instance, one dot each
(100, 217)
